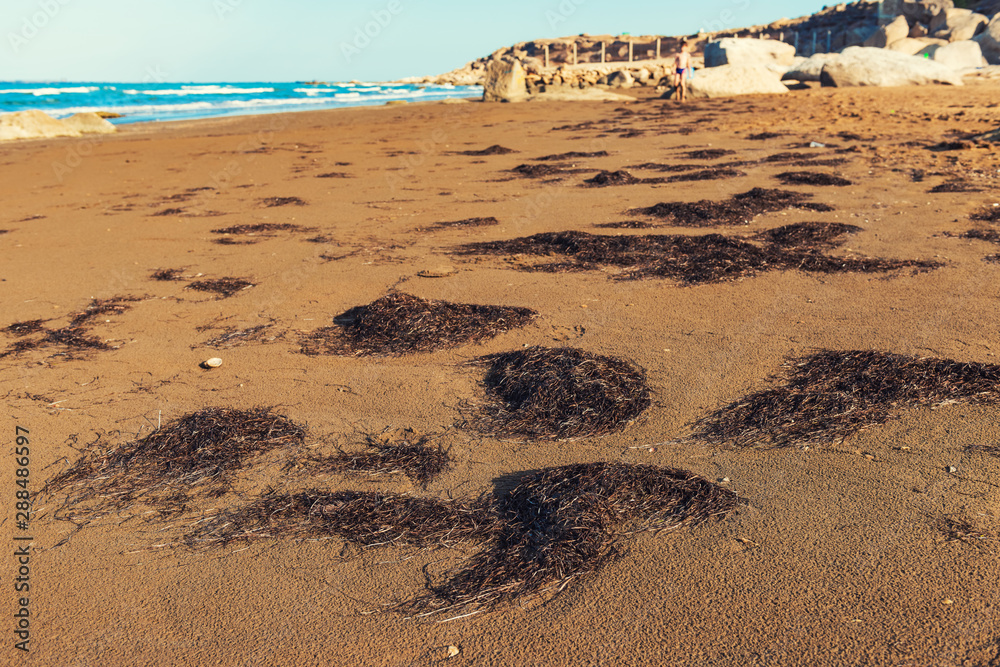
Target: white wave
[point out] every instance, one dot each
(260, 104)
(37, 92)
(201, 90)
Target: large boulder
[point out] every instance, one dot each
(748, 52)
(912, 47)
(989, 41)
(957, 24)
(809, 69)
(889, 33)
(956, 55)
(621, 79)
(921, 11)
(35, 124)
(863, 66)
(504, 81)
(89, 123)
(732, 80)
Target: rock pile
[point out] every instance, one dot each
(865, 43)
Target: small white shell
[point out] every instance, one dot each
(214, 362)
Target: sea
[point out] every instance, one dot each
(141, 102)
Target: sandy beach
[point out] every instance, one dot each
(838, 553)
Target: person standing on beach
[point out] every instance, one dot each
(682, 66)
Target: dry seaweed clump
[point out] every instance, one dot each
(25, 328)
(405, 324)
(72, 340)
(709, 153)
(739, 209)
(691, 260)
(563, 524)
(254, 232)
(551, 393)
(811, 178)
(556, 526)
(195, 455)
(223, 287)
(571, 155)
(831, 395)
(607, 178)
(462, 224)
(989, 235)
(404, 452)
(101, 307)
(988, 214)
(271, 202)
(165, 275)
(495, 149)
(808, 235)
(364, 518)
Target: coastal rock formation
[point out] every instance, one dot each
(505, 81)
(989, 41)
(35, 124)
(921, 11)
(889, 33)
(748, 52)
(912, 46)
(809, 69)
(956, 55)
(863, 66)
(731, 80)
(621, 79)
(957, 24)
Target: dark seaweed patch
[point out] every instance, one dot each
(563, 392)
(811, 178)
(223, 287)
(405, 324)
(831, 395)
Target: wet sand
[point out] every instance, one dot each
(837, 556)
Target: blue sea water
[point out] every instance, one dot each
(178, 101)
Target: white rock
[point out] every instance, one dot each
(214, 362)
(956, 55)
(89, 123)
(731, 80)
(504, 81)
(956, 24)
(621, 79)
(990, 41)
(912, 47)
(35, 124)
(864, 66)
(748, 52)
(809, 69)
(887, 34)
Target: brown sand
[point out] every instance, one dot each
(843, 554)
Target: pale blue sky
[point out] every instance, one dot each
(266, 40)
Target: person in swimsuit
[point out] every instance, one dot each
(682, 64)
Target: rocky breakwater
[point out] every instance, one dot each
(35, 124)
